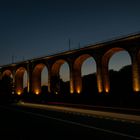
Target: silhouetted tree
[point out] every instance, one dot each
(6, 88)
(56, 82)
(89, 84)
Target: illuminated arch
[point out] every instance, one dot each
(36, 78)
(88, 70)
(7, 73)
(64, 73)
(77, 70)
(19, 80)
(55, 73)
(105, 63)
(56, 66)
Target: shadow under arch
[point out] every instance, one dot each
(77, 71)
(36, 78)
(105, 66)
(19, 80)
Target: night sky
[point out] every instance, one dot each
(34, 28)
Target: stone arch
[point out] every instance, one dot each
(19, 79)
(105, 63)
(77, 71)
(36, 78)
(7, 73)
(55, 75)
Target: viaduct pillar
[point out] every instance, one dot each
(99, 75)
(105, 75)
(75, 79)
(49, 80)
(135, 71)
(29, 77)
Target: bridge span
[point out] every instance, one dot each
(101, 53)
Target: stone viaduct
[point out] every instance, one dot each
(100, 52)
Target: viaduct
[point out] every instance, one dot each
(100, 52)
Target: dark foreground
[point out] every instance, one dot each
(21, 123)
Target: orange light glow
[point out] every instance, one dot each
(99, 89)
(136, 89)
(37, 91)
(78, 90)
(19, 92)
(136, 86)
(106, 90)
(71, 91)
(99, 83)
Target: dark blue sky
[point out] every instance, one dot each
(32, 28)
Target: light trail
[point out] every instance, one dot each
(72, 122)
(86, 112)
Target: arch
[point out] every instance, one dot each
(77, 72)
(105, 69)
(64, 73)
(36, 78)
(87, 66)
(55, 75)
(120, 74)
(44, 76)
(64, 68)
(56, 66)
(89, 79)
(19, 80)
(7, 73)
(122, 58)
